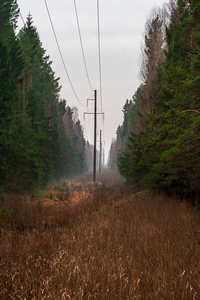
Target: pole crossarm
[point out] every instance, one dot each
(95, 113)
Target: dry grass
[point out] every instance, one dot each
(107, 177)
(113, 246)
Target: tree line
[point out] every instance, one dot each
(158, 144)
(41, 138)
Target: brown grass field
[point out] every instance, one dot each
(86, 241)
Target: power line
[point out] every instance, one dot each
(31, 40)
(86, 70)
(90, 126)
(99, 49)
(88, 113)
(100, 73)
(61, 54)
(85, 130)
(22, 18)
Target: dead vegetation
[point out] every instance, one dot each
(112, 246)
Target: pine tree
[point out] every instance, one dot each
(172, 151)
(11, 65)
(36, 146)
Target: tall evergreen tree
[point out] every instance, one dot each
(11, 65)
(34, 145)
(177, 119)
(167, 147)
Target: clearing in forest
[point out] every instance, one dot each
(115, 244)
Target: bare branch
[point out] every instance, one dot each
(191, 111)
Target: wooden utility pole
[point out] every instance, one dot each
(95, 135)
(100, 154)
(95, 132)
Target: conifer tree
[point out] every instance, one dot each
(177, 119)
(11, 65)
(36, 146)
(166, 148)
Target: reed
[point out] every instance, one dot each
(141, 246)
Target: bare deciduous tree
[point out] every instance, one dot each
(152, 51)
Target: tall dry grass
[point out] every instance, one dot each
(114, 246)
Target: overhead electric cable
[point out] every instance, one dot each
(85, 129)
(99, 49)
(31, 40)
(22, 18)
(100, 73)
(89, 126)
(78, 24)
(104, 131)
(61, 54)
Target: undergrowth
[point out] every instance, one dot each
(113, 246)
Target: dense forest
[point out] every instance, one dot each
(158, 144)
(41, 138)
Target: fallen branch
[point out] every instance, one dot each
(191, 111)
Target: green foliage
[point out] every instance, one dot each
(35, 146)
(122, 133)
(163, 150)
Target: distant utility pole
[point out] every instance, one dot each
(100, 155)
(95, 132)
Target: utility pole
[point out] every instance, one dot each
(95, 135)
(95, 131)
(100, 155)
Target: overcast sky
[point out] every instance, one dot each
(121, 28)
